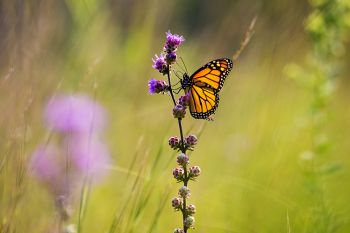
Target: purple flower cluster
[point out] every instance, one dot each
(168, 57)
(157, 86)
(173, 41)
(77, 123)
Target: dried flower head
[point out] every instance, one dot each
(157, 86)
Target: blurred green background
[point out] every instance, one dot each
(259, 173)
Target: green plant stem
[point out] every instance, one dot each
(183, 150)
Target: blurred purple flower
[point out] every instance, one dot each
(90, 156)
(157, 86)
(172, 42)
(160, 64)
(76, 113)
(46, 167)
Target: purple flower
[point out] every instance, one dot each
(185, 100)
(75, 114)
(160, 64)
(170, 58)
(90, 156)
(157, 86)
(179, 111)
(172, 42)
(46, 167)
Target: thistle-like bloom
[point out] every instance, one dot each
(172, 42)
(194, 171)
(191, 209)
(75, 114)
(160, 64)
(182, 159)
(191, 141)
(178, 173)
(184, 192)
(157, 86)
(176, 203)
(174, 142)
(179, 111)
(189, 222)
(185, 100)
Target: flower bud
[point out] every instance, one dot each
(191, 140)
(178, 173)
(174, 142)
(185, 100)
(179, 111)
(184, 192)
(194, 171)
(189, 222)
(71, 228)
(178, 230)
(170, 58)
(191, 209)
(182, 159)
(176, 203)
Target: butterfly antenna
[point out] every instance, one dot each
(177, 75)
(181, 67)
(184, 64)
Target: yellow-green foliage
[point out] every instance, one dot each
(255, 157)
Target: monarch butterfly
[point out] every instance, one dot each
(204, 86)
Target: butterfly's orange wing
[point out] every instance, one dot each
(213, 73)
(206, 84)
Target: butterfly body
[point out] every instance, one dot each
(204, 85)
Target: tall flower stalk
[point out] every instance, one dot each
(183, 173)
